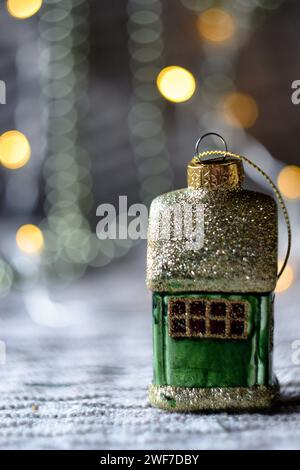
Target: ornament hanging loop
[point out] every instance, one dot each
(198, 155)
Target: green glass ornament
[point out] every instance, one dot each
(212, 267)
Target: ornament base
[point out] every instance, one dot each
(185, 399)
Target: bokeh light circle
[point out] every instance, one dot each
(14, 150)
(216, 25)
(176, 84)
(286, 279)
(269, 4)
(23, 9)
(30, 239)
(289, 181)
(197, 5)
(239, 110)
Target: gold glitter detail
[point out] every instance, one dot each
(187, 317)
(217, 174)
(240, 243)
(186, 399)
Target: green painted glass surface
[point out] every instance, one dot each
(211, 362)
(158, 342)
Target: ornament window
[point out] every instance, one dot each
(208, 318)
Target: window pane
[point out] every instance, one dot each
(218, 309)
(197, 326)
(217, 327)
(204, 318)
(178, 326)
(197, 308)
(237, 328)
(237, 310)
(178, 307)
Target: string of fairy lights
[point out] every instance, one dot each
(63, 242)
(146, 114)
(62, 245)
(66, 229)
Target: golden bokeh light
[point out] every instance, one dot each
(23, 9)
(286, 279)
(30, 239)
(176, 84)
(216, 25)
(289, 181)
(239, 110)
(14, 150)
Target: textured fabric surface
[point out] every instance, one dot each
(83, 385)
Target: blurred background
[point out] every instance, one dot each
(107, 98)
(101, 99)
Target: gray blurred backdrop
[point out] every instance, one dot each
(75, 315)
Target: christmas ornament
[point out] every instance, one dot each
(212, 267)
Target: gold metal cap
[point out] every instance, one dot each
(218, 173)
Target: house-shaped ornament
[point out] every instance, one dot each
(213, 289)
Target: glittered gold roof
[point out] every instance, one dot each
(239, 252)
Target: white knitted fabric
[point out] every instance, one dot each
(83, 386)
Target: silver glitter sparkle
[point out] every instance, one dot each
(239, 252)
(184, 399)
